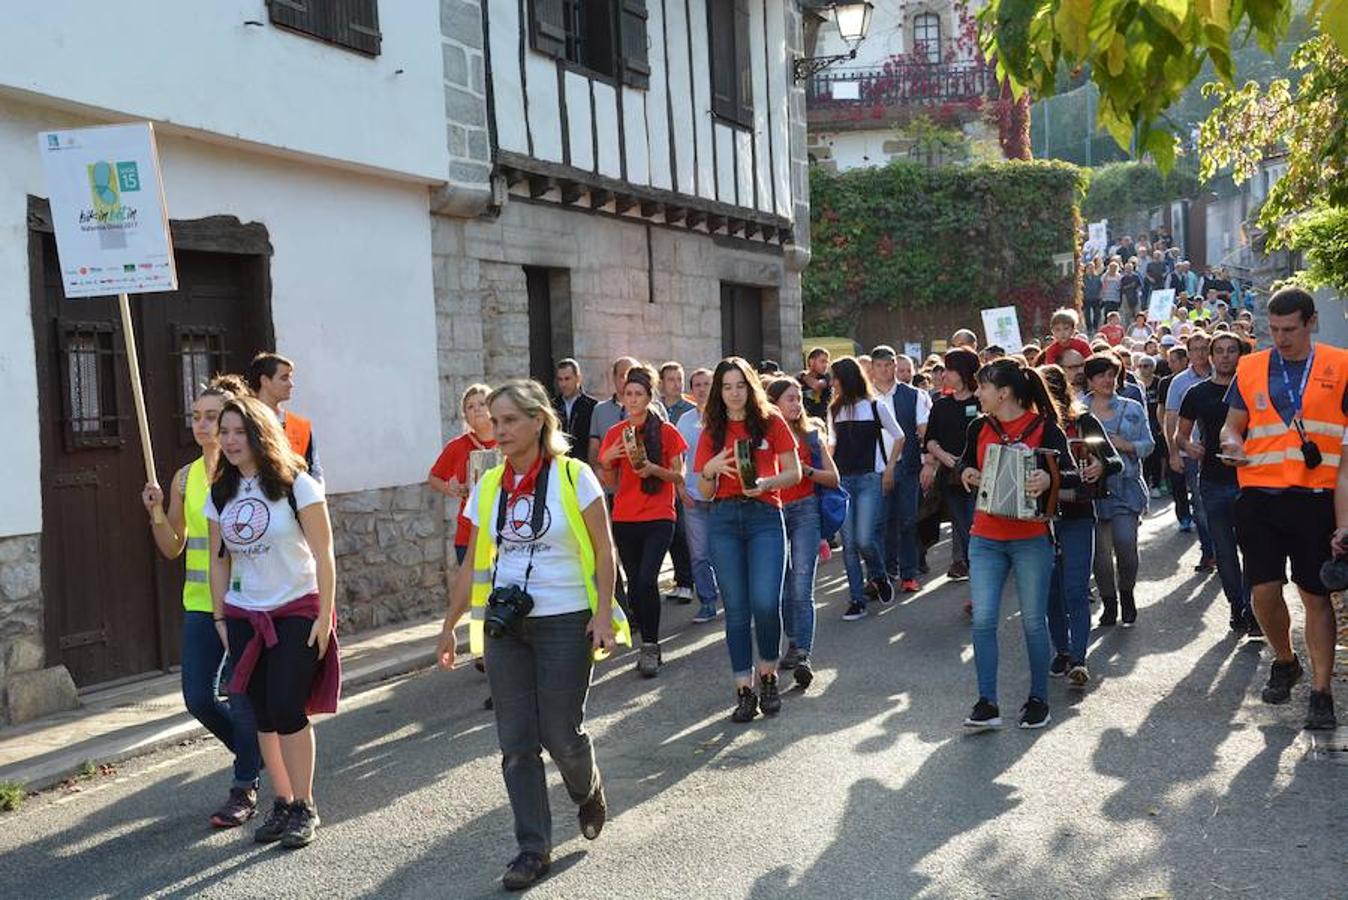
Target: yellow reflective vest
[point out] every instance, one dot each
(484, 552)
(197, 587)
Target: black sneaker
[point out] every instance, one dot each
(1129, 609)
(1320, 712)
(985, 715)
(958, 571)
(1237, 622)
(803, 673)
(886, 588)
(1252, 629)
(274, 825)
(871, 590)
(746, 705)
(1061, 663)
(854, 611)
(593, 813)
(524, 870)
(239, 808)
(769, 698)
(1034, 714)
(1281, 677)
(1109, 614)
(301, 826)
(1078, 676)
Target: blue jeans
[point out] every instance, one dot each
(1219, 505)
(802, 536)
(990, 562)
(959, 503)
(898, 526)
(1196, 504)
(233, 724)
(859, 534)
(696, 521)
(1069, 593)
(748, 553)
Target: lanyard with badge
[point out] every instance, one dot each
(1310, 451)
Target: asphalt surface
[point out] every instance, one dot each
(1166, 778)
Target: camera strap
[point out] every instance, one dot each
(535, 522)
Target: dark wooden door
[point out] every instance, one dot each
(541, 361)
(113, 605)
(742, 321)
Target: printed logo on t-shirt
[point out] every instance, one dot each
(518, 527)
(245, 521)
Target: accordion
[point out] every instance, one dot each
(634, 447)
(1001, 489)
(1084, 452)
(745, 465)
(479, 461)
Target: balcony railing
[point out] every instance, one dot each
(901, 82)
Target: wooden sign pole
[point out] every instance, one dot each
(138, 396)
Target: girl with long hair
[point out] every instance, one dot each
(273, 583)
(185, 529)
(800, 509)
(867, 445)
(449, 475)
(643, 504)
(747, 535)
(946, 431)
(1018, 412)
(1119, 514)
(1069, 595)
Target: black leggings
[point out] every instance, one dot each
(642, 547)
(284, 674)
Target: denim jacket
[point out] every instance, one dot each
(1127, 489)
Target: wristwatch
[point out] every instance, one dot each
(808, 471)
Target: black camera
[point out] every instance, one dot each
(507, 608)
(1334, 574)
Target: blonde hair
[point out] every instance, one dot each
(530, 398)
(473, 390)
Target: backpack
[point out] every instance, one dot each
(833, 502)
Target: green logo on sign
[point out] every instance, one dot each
(128, 177)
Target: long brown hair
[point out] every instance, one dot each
(1055, 379)
(850, 384)
(757, 414)
(776, 389)
(643, 377)
(277, 464)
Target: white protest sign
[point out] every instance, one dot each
(913, 350)
(1160, 305)
(1098, 231)
(108, 210)
(1002, 327)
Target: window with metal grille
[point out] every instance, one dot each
(90, 373)
(201, 354)
(927, 37)
(603, 37)
(353, 24)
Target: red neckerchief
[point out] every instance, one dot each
(478, 444)
(526, 484)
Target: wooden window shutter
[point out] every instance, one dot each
(632, 43)
(296, 14)
(721, 28)
(547, 27)
(743, 66)
(357, 25)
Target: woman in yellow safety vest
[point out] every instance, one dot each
(184, 528)
(540, 590)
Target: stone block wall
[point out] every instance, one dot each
(21, 639)
(465, 79)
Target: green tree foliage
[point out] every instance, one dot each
(1118, 189)
(967, 237)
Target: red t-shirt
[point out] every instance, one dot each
(453, 464)
(779, 440)
(1112, 333)
(630, 502)
(805, 487)
(1056, 350)
(998, 528)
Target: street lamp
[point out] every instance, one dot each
(854, 22)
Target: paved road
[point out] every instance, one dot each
(1166, 778)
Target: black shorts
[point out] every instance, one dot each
(1275, 527)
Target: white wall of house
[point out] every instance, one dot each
(201, 68)
(351, 300)
(859, 149)
(892, 31)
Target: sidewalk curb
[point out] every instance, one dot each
(119, 747)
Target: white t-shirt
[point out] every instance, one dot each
(1139, 332)
(271, 563)
(861, 412)
(557, 583)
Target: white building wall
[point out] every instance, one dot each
(201, 68)
(351, 301)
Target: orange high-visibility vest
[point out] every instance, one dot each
(1273, 446)
(299, 431)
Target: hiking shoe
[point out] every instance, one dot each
(649, 660)
(593, 813)
(985, 714)
(769, 698)
(239, 808)
(1058, 668)
(958, 571)
(302, 825)
(746, 705)
(1109, 614)
(855, 611)
(1320, 712)
(274, 825)
(706, 613)
(790, 659)
(910, 586)
(524, 870)
(1129, 609)
(802, 672)
(1078, 676)
(1034, 714)
(1281, 677)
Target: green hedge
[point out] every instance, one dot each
(1118, 189)
(969, 237)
